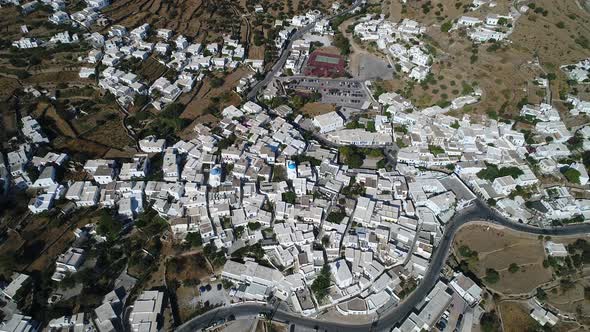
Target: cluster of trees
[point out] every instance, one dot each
(354, 157)
(289, 197)
(571, 174)
(341, 43)
(353, 189)
(299, 100)
(336, 216)
(194, 239)
(215, 257)
(491, 172)
(108, 226)
(490, 322)
(254, 251)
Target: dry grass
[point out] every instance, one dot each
(498, 249)
(515, 318)
(55, 77)
(110, 134)
(45, 239)
(8, 125)
(151, 70)
(182, 268)
(225, 95)
(7, 86)
(256, 52)
(62, 126)
(314, 109)
(572, 300)
(201, 19)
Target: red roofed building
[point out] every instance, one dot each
(323, 64)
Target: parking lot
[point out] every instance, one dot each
(340, 92)
(215, 296)
(371, 67)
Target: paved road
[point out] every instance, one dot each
(479, 211)
(286, 50)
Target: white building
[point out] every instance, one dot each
(555, 249)
(341, 273)
(328, 122)
(146, 311)
(151, 144)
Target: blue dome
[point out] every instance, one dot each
(215, 171)
(291, 165)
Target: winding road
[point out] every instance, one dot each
(478, 212)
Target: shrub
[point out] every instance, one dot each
(492, 276)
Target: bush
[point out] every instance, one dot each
(216, 82)
(320, 285)
(492, 276)
(490, 322)
(289, 197)
(466, 252)
(513, 268)
(572, 175)
(436, 150)
(491, 172)
(194, 239)
(336, 217)
(445, 27)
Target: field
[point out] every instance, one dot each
(515, 318)
(99, 133)
(497, 249)
(314, 109)
(210, 99)
(202, 20)
(571, 300)
(189, 272)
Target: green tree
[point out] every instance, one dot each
(572, 175)
(289, 197)
(436, 150)
(254, 225)
(490, 322)
(445, 27)
(320, 285)
(492, 276)
(108, 226)
(541, 294)
(194, 239)
(336, 216)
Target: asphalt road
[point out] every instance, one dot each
(285, 53)
(479, 211)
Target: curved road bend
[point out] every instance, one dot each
(390, 318)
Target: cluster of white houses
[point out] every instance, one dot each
(188, 59)
(400, 40)
(83, 18)
(435, 139)
(493, 28)
(254, 178)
